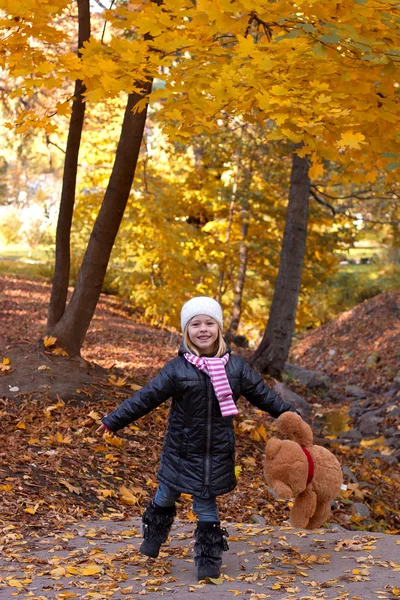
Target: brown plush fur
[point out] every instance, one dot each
(286, 470)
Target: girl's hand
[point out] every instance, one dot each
(102, 429)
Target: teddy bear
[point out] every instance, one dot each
(295, 467)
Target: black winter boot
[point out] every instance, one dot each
(157, 521)
(210, 542)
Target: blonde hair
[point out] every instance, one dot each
(220, 347)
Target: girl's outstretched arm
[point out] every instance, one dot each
(154, 393)
(256, 391)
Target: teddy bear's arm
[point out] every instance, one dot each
(281, 489)
(303, 508)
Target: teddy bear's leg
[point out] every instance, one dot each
(303, 508)
(322, 514)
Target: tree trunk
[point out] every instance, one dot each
(274, 348)
(63, 254)
(70, 331)
(239, 286)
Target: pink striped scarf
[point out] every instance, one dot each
(215, 369)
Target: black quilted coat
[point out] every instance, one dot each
(198, 455)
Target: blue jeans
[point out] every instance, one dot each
(205, 509)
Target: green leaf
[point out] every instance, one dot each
(320, 50)
(392, 166)
(330, 39)
(390, 155)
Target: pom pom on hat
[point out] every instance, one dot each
(201, 305)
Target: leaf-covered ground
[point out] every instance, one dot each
(98, 560)
(360, 347)
(54, 469)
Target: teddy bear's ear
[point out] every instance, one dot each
(292, 427)
(272, 448)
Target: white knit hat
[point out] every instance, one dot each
(201, 305)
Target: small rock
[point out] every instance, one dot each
(273, 493)
(259, 519)
(349, 473)
(393, 442)
(393, 411)
(289, 396)
(389, 459)
(356, 409)
(355, 391)
(312, 379)
(392, 392)
(336, 396)
(370, 453)
(360, 510)
(372, 360)
(334, 528)
(369, 425)
(351, 434)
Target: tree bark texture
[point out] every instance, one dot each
(70, 331)
(274, 348)
(63, 233)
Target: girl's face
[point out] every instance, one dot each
(203, 333)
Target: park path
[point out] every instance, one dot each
(99, 560)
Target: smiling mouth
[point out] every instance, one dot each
(204, 338)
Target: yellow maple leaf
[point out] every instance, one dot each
(49, 341)
(58, 437)
(91, 570)
(94, 415)
(380, 441)
(32, 509)
(245, 45)
(62, 108)
(59, 352)
(127, 497)
(5, 365)
(279, 90)
(214, 581)
(350, 140)
(70, 487)
(15, 583)
(58, 571)
(106, 493)
(315, 170)
(113, 440)
(49, 409)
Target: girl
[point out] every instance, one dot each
(198, 455)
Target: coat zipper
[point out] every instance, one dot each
(208, 435)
